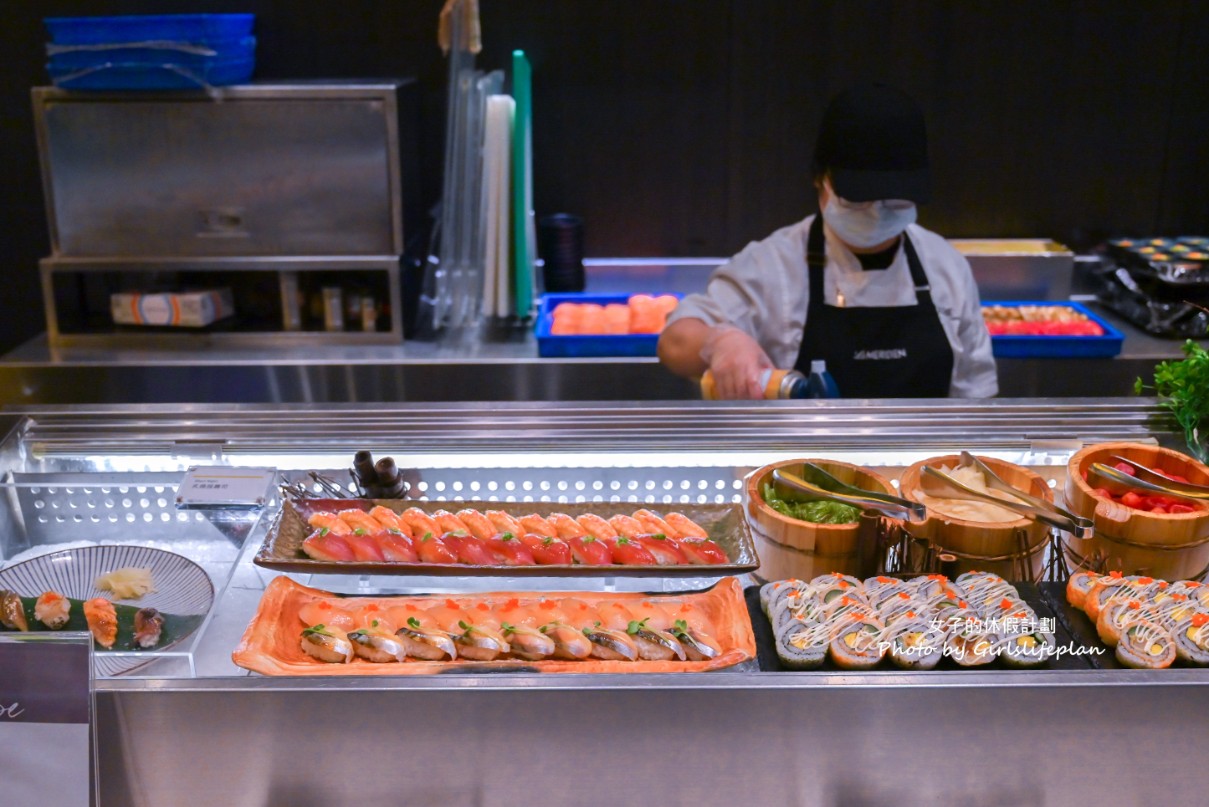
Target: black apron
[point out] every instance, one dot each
(886, 352)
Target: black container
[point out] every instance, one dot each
(560, 242)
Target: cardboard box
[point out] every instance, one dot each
(192, 309)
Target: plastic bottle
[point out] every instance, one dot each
(820, 384)
(776, 384)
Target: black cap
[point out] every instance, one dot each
(874, 143)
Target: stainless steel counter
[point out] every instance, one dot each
(480, 366)
(208, 733)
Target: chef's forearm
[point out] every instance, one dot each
(680, 347)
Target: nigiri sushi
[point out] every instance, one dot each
(148, 628)
(479, 525)
(327, 644)
(377, 645)
(53, 610)
(12, 611)
(102, 620)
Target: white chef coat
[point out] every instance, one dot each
(764, 291)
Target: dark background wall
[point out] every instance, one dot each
(684, 128)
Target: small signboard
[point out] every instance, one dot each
(222, 486)
(46, 719)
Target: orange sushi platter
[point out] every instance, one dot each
(530, 539)
(298, 630)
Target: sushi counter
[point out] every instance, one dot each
(618, 591)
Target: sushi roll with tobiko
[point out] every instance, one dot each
(771, 592)
(1117, 616)
(1192, 639)
(972, 642)
(1027, 648)
(1147, 646)
(858, 645)
(915, 644)
(1078, 586)
(803, 647)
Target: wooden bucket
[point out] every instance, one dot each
(1166, 546)
(790, 548)
(1014, 550)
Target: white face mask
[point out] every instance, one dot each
(867, 224)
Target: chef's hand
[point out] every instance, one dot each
(736, 362)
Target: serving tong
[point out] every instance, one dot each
(816, 484)
(1116, 481)
(937, 483)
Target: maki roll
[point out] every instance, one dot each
(1029, 648)
(972, 643)
(1117, 616)
(915, 645)
(803, 646)
(772, 592)
(858, 645)
(1146, 646)
(1192, 640)
(1079, 585)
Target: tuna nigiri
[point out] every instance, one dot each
(666, 549)
(703, 551)
(589, 551)
(397, 546)
(431, 548)
(548, 551)
(629, 552)
(510, 550)
(469, 550)
(329, 546)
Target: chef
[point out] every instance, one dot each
(890, 307)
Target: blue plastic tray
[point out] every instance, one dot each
(224, 51)
(195, 28)
(1057, 347)
(142, 76)
(558, 346)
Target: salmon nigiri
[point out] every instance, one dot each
(597, 527)
(655, 524)
(504, 522)
(566, 526)
(102, 621)
(330, 522)
(479, 525)
(537, 524)
(390, 520)
(420, 522)
(359, 520)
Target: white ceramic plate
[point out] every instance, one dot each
(182, 588)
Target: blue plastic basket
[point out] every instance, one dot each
(567, 346)
(1057, 347)
(199, 29)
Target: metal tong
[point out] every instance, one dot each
(1114, 480)
(818, 484)
(938, 483)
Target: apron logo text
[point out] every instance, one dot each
(880, 355)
